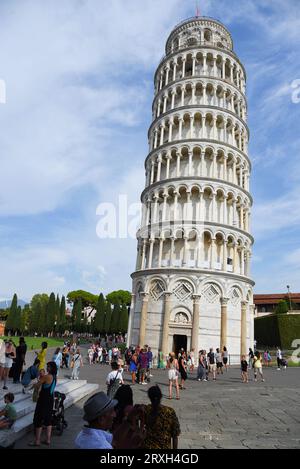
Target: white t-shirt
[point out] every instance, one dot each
(112, 375)
(279, 354)
(2, 352)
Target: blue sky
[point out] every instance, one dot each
(79, 84)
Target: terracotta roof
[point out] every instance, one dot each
(275, 298)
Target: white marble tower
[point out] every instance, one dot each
(192, 284)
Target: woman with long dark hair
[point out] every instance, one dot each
(43, 411)
(124, 396)
(20, 360)
(162, 425)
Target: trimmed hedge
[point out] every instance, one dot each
(278, 329)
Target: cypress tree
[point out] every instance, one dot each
(108, 317)
(77, 312)
(50, 319)
(98, 324)
(18, 320)
(57, 311)
(124, 319)
(12, 320)
(115, 324)
(62, 322)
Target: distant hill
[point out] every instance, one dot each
(6, 303)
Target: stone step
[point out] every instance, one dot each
(16, 389)
(76, 390)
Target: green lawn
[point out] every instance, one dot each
(35, 342)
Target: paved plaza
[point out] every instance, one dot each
(221, 414)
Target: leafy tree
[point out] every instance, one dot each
(87, 298)
(108, 317)
(23, 320)
(42, 298)
(98, 324)
(282, 307)
(41, 316)
(119, 296)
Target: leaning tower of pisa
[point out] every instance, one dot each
(192, 286)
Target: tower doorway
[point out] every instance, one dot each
(179, 342)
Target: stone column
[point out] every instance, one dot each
(173, 100)
(166, 320)
(223, 331)
(172, 251)
(225, 210)
(171, 130)
(150, 253)
(165, 103)
(183, 67)
(185, 251)
(194, 65)
(195, 329)
(193, 93)
(225, 169)
(190, 162)
(152, 172)
(161, 245)
(143, 254)
(178, 164)
(169, 157)
(130, 322)
(182, 95)
(244, 328)
(167, 75)
(200, 243)
(192, 127)
(163, 218)
(204, 64)
(144, 312)
(174, 71)
(159, 160)
(180, 128)
(162, 134)
(225, 256)
(212, 253)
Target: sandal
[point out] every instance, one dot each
(34, 444)
(178, 398)
(45, 442)
(170, 397)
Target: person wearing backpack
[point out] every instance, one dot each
(76, 364)
(114, 379)
(212, 363)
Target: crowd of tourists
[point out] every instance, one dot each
(113, 421)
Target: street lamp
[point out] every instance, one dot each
(289, 294)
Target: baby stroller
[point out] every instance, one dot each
(58, 413)
(284, 363)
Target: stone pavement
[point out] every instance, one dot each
(216, 414)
